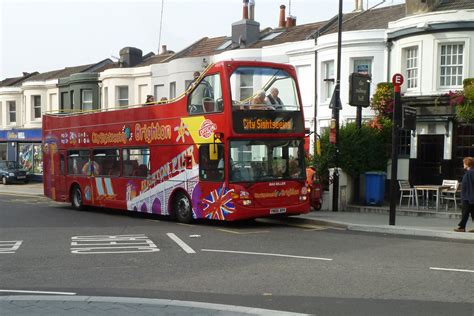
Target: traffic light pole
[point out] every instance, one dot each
(335, 114)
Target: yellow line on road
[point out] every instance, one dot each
(243, 233)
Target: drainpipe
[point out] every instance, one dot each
(389, 45)
(315, 94)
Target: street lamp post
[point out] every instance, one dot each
(335, 114)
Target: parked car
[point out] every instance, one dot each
(11, 171)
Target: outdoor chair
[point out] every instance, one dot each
(406, 191)
(451, 194)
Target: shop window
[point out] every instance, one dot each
(30, 157)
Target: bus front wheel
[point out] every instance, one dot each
(76, 198)
(182, 209)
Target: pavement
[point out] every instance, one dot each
(360, 218)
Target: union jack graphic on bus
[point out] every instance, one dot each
(218, 204)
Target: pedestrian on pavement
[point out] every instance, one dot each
(467, 194)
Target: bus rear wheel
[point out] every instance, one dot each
(182, 210)
(76, 198)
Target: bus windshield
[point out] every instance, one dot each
(262, 88)
(266, 160)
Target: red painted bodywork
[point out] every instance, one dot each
(107, 129)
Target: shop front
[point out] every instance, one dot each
(24, 146)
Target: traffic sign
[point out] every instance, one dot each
(397, 79)
(359, 90)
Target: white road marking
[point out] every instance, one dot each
(10, 246)
(453, 270)
(267, 254)
(38, 292)
(181, 243)
(103, 244)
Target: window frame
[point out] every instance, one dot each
(464, 45)
(36, 105)
(120, 100)
(411, 63)
(10, 112)
(126, 174)
(328, 83)
(84, 102)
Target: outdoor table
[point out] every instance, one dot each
(426, 188)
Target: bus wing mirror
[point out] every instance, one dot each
(213, 152)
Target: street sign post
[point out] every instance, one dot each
(397, 81)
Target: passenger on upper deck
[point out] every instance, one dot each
(273, 99)
(259, 102)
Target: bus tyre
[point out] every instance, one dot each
(76, 198)
(182, 210)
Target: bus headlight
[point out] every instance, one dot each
(246, 202)
(303, 197)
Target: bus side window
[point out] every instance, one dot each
(211, 170)
(206, 96)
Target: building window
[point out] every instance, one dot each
(159, 91)
(328, 78)
(86, 100)
(122, 95)
(451, 65)
(36, 100)
(246, 84)
(173, 90)
(63, 100)
(106, 97)
(11, 105)
(71, 102)
(404, 143)
(411, 64)
(362, 66)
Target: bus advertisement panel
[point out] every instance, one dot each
(215, 152)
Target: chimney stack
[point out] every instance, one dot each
(245, 12)
(252, 10)
(281, 21)
(359, 5)
(164, 50)
(290, 21)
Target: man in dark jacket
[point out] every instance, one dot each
(274, 99)
(467, 194)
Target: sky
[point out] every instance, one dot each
(46, 35)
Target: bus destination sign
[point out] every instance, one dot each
(268, 124)
(266, 121)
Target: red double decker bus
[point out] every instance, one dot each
(231, 147)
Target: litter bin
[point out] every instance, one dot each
(374, 187)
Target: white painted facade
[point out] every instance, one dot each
(48, 93)
(10, 94)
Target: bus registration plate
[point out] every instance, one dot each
(277, 210)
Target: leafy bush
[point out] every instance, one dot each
(382, 101)
(367, 149)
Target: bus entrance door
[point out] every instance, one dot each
(60, 178)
